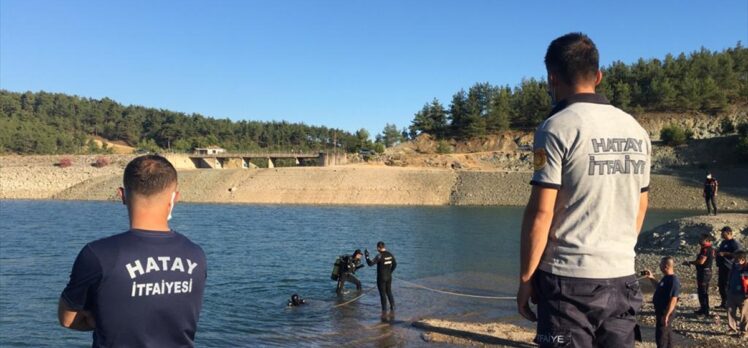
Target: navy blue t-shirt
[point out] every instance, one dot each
(667, 288)
(730, 246)
(145, 288)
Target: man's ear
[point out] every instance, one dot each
(598, 77)
(177, 196)
(122, 195)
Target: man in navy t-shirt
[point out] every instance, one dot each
(725, 251)
(143, 287)
(665, 299)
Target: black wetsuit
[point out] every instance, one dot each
(348, 265)
(703, 277)
(386, 264)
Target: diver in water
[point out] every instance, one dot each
(386, 264)
(348, 267)
(296, 301)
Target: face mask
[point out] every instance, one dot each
(171, 207)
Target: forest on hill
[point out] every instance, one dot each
(702, 81)
(46, 123)
(49, 123)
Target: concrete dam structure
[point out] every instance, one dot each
(249, 160)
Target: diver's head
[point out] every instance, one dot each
(149, 188)
(295, 298)
(357, 254)
(380, 246)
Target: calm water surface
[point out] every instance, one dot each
(259, 255)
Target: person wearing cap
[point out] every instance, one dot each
(349, 266)
(737, 306)
(727, 247)
(703, 263)
(711, 186)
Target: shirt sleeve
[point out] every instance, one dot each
(84, 280)
(675, 290)
(735, 246)
(548, 154)
(647, 166)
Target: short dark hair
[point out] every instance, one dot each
(380, 244)
(573, 58)
(668, 259)
(357, 252)
(148, 175)
(726, 229)
(707, 237)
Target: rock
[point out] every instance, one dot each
(426, 337)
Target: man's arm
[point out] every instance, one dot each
(643, 204)
(74, 320)
(372, 263)
(670, 309)
(394, 264)
(536, 225)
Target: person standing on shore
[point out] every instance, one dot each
(711, 186)
(586, 209)
(665, 299)
(143, 287)
(386, 264)
(727, 247)
(703, 263)
(737, 306)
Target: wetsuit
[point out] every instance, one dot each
(703, 277)
(710, 190)
(349, 265)
(724, 263)
(386, 264)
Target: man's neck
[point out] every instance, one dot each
(564, 91)
(149, 223)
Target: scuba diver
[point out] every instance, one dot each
(296, 301)
(348, 265)
(386, 264)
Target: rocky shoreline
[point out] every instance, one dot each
(689, 330)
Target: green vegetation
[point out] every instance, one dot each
(742, 147)
(674, 135)
(703, 81)
(48, 123)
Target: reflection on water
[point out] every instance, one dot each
(259, 255)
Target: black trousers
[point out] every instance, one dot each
(347, 277)
(581, 312)
(663, 334)
(703, 277)
(722, 277)
(710, 199)
(385, 292)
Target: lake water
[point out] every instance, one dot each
(259, 255)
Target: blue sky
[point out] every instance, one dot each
(345, 64)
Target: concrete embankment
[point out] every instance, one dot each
(35, 177)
